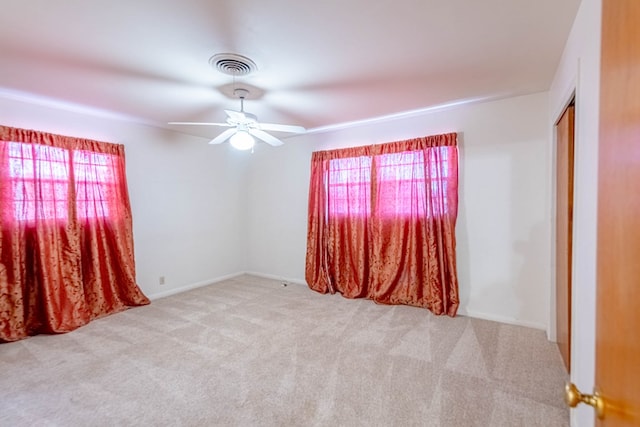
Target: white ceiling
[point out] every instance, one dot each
(319, 63)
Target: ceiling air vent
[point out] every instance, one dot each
(232, 64)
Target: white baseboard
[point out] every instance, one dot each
(461, 311)
(191, 286)
(501, 319)
(275, 277)
(551, 334)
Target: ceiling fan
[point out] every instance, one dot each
(245, 126)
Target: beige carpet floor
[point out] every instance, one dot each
(251, 352)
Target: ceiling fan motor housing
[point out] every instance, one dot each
(241, 93)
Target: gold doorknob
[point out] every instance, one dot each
(573, 397)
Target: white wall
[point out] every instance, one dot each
(503, 229)
(202, 213)
(187, 197)
(579, 70)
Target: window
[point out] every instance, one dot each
(403, 182)
(349, 186)
(40, 177)
(94, 180)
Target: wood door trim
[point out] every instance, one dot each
(564, 230)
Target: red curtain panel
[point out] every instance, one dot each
(66, 240)
(382, 223)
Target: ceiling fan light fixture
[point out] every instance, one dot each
(244, 128)
(242, 140)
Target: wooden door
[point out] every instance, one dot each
(564, 231)
(618, 295)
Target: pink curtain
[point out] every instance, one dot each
(382, 223)
(66, 240)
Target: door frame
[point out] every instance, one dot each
(570, 96)
(571, 101)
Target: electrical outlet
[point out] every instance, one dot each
(161, 280)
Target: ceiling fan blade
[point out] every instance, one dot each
(282, 128)
(223, 136)
(200, 124)
(269, 139)
(237, 116)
